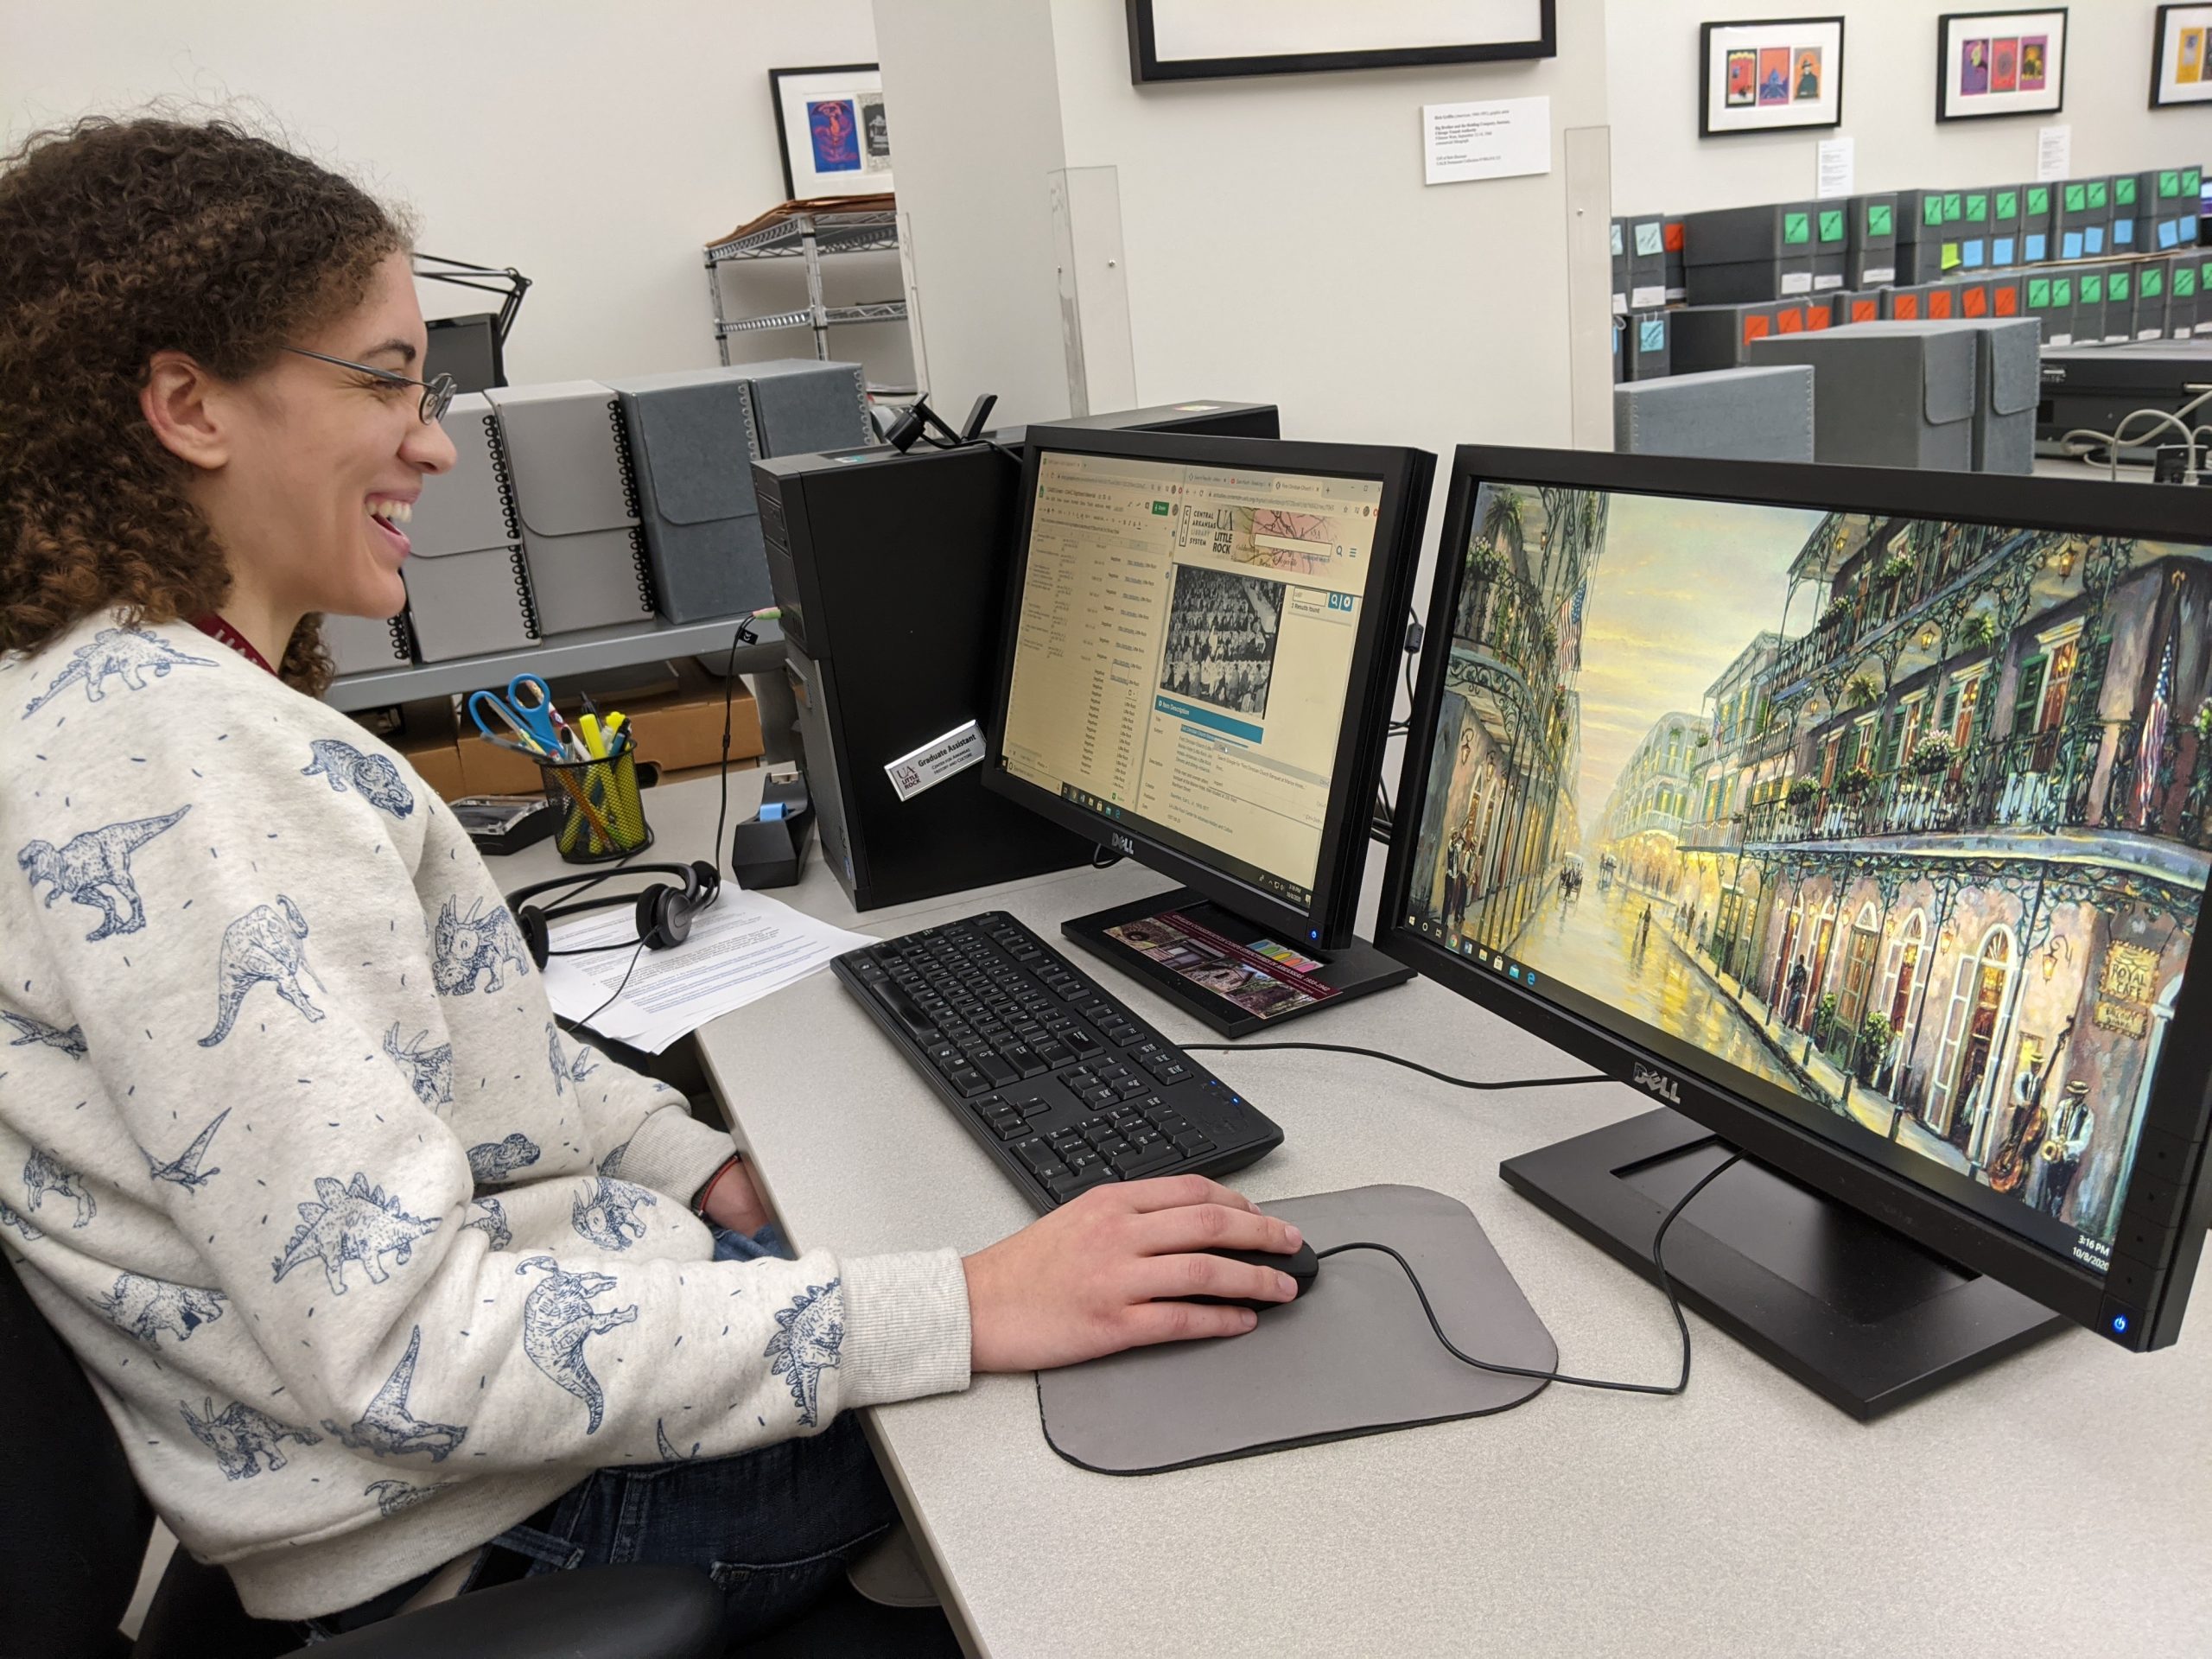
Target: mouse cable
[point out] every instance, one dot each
(1393, 1059)
(1666, 1282)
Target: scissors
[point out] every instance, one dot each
(526, 711)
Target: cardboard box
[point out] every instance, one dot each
(1731, 414)
(679, 731)
(1888, 394)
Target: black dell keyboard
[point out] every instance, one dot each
(1059, 1082)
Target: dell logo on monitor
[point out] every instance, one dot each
(1120, 843)
(1659, 1084)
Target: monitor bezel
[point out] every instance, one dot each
(2180, 1101)
(1405, 476)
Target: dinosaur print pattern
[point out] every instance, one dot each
(668, 1452)
(263, 947)
(125, 651)
(393, 1495)
(607, 1216)
(557, 1318)
(429, 1070)
(566, 1070)
(242, 1438)
(93, 869)
(9, 1218)
(493, 1224)
(471, 946)
(144, 1307)
(70, 1042)
(494, 1164)
(810, 1331)
(388, 1429)
(42, 1175)
(376, 778)
(353, 1223)
(184, 1169)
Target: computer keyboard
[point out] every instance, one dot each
(1059, 1082)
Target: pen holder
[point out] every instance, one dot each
(600, 818)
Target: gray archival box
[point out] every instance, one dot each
(1888, 394)
(577, 500)
(468, 585)
(1761, 414)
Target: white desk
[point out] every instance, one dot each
(2058, 1504)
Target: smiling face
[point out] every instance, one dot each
(323, 464)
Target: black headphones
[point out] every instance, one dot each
(665, 910)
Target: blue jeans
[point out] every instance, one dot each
(773, 1527)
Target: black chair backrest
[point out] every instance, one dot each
(72, 1522)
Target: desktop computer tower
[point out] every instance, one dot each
(891, 570)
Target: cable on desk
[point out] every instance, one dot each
(1666, 1282)
(1393, 1059)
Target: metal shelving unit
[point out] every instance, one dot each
(582, 653)
(811, 237)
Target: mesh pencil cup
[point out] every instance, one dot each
(600, 817)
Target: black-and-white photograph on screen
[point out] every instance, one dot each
(1221, 639)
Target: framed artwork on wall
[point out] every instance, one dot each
(1771, 75)
(2180, 72)
(1991, 63)
(831, 130)
(1200, 40)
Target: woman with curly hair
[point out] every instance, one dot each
(388, 1288)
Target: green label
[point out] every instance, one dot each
(1650, 240)
(1160, 509)
(2039, 199)
(2008, 204)
(1931, 209)
(1952, 257)
(2100, 195)
(1651, 335)
(2192, 181)
(1881, 218)
(2154, 284)
(2077, 198)
(2169, 182)
(1977, 209)
(2185, 283)
(1796, 227)
(2123, 192)
(2117, 286)
(1831, 225)
(1620, 244)
(2039, 291)
(2093, 289)
(2061, 291)
(1955, 208)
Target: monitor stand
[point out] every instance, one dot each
(1222, 945)
(1857, 1312)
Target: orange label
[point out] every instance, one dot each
(1977, 301)
(1817, 317)
(1792, 320)
(1865, 310)
(1939, 303)
(1670, 238)
(1907, 308)
(2008, 301)
(1757, 326)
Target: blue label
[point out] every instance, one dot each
(1974, 256)
(2123, 232)
(2038, 248)
(1651, 335)
(2071, 246)
(2169, 233)
(2003, 251)
(2095, 233)
(2188, 230)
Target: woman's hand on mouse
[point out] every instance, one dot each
(1083, 1280)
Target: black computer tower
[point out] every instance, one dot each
(890, 570)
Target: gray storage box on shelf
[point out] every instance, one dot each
(694, 435)
(2008, 390)
(358, 644)
(1762, 414)
(468, 586)
(1888, 394)
(1746, 255)
(576, 496)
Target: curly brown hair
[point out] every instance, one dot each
(120, 238)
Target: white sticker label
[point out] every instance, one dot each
(2152, 334)
(1620, 305)
(1798, 282)
(1878, 276)
(2115, 340)
(2062, 339)
(1646, 299)
(1676, 295)
(1821, 283)
(935, 762)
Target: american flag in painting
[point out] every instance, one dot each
(2153, 748)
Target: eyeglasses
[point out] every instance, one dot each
(437, 395)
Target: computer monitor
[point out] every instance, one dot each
(1200, 637)
(1861, 816)
(467, 348)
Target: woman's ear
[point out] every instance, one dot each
(179, 401)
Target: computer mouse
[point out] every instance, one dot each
(1301, 1264)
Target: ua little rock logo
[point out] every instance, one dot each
(125, 652)
(353, 1223)
(388, 1429)
(557, 1319)
(263, 947)
(242, 1438)
(812, 1331)
(93, 869)
(376, 778)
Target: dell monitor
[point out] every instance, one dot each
(1861, 818)
(1200, 639)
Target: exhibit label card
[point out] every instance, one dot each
(2054, 153)
(1838, 168)
(1506, 138)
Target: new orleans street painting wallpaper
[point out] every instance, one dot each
(1906, 818)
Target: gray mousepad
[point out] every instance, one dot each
(1353, 1355)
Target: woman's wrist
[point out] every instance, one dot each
(706, 1192)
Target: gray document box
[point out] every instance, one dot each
(1888, 394)
(578, 504)
(468, 585)
(1763, 414)
(694, 435)
(358, 644)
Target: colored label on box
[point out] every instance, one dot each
(2123, 232)
(2094, 239)
(2184, 284)
(1931, 209)
(1670, 235)
(1955, 207)
(2039, 293)
(2168, 235)
(2170, 184)
(1976, 301)
(2154, 284)
(2093, 290)
(2039, 201)
(1817, 318)
(2008, 204)
(1651, 335)
(1906, 307)
(2003, 251)
(1973, 255)
(1977, 209)
(1790, 319)
(1881, 218)
(2077, 198)
(1953, 257)
(2070, 245)
(1832, 225)
(2192, 182)
(2037, 249)
(2061, 291)
(1939, 305)
(2118, 286)
(1620, 242)
(2008, 300)
(2123, 192)
(1650, 240)
(1865, 310)
(1758, 326)
(2100, 196)
(1797, 228)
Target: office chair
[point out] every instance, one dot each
(73, 1527)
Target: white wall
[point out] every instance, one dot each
(1660, 164)
(594, 146)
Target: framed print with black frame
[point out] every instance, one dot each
(1201, 39)
(1773, 74)
(1997, 63)
(2180, 72)
(831, 131)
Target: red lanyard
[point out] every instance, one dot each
(216, 628)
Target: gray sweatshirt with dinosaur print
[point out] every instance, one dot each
(367, 1260)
